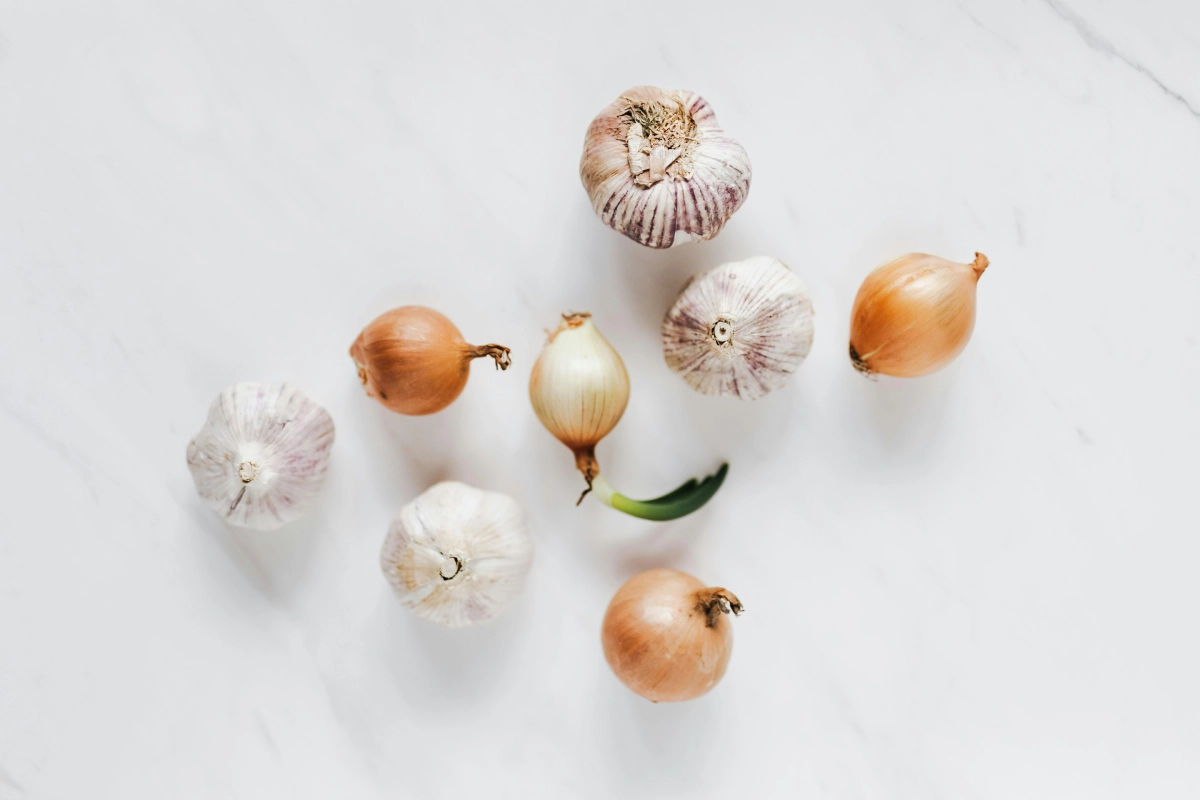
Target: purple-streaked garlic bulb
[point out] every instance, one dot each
(740, 329)
(659, 169)
(262, 454)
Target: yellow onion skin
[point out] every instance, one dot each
(667, 636)
(914, 315)
(414, 360)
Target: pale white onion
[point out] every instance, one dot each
(579, 388)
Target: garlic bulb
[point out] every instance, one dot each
(913, 315)
(457, 555)
(657, 167)
(579, 389)
(741, 329)
(262, 454)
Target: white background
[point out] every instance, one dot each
(981, 584)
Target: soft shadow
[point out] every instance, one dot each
(743, 431)
(664, 551)
(901, 417)
(402, 450)
(440, 668)
(275, 563)
(673, 742)
(654, 278)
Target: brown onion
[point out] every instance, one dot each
(415, 361)
(666, 635)
(912, 316)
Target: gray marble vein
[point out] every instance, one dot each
(1101, 44)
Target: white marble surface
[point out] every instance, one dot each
(976, 585)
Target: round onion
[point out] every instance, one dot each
(666, 635)
(414, 360)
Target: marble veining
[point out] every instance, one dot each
(977, 585)
(1102, 45)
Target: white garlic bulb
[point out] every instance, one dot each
(457, 555)
(262, 454)
(657, 167)
(740, 329)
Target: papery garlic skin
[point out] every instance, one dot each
(579, 388)
(740, 329)
(914, 315)
(262, 454)
(659, 169)
(458, 555)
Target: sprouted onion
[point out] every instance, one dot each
(667, 636)
(414, 361)
(579, 389)
(913, 315)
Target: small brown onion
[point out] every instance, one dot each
(913, 315)
(415, 361)
(666, 635)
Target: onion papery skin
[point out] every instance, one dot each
(914, 315)
(579, 388)
(415, 361)
(661, 641)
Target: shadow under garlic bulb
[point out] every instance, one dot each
(659, 169)
(913, 315)
(667, 636)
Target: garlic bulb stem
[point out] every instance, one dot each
(451, 566)
(721, 331)
(247, 471)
